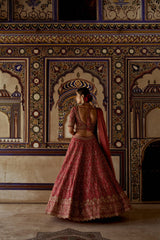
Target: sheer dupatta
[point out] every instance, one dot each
(103, 138)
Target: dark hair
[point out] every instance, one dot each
(85, 91)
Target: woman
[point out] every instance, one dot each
(86, 187)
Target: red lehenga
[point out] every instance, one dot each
(86, 187)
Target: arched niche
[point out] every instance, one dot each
(4, 126)
(142, 81)
(65, 100)
(144, 125)
(144, 105)
(152, 123)
(11, 104)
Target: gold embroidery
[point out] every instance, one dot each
(89, 209)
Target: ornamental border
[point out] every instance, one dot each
(79, 26)
(66, 38)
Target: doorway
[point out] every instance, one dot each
(151, 173)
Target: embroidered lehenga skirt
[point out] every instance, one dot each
(86, 187)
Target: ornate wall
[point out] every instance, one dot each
(115, 55)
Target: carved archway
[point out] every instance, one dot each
(144, 107)
(64, 93)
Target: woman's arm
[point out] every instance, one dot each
(71, 130)
(72, 121)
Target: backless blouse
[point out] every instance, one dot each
(75, 119)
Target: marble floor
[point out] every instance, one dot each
(23, 221)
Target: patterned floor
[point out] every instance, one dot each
(68, 234)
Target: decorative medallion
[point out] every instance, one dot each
(36, 113)
(36, 129)
(9, 51)
(118, 51)
(22, 51)
(36, 81)
(77, 51)
(36, 144)
(36, 96)
(91, 51)
(118, 144)
(118, 65)
(104, 51)
(118, 79)
(144, 50)
(118, 110)
(118, 127)
(36, 65)
(158, 50)
(131, 51)
(63, 51)
(50, 51)
(119, 95)
(36, 51)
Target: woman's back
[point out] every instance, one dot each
(87, 111)
(87, 120)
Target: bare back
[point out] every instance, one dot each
(87, 112)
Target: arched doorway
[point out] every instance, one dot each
(151, 173)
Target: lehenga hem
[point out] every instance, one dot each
(91, 218)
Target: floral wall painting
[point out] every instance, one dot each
(4, 10)
(152, 10)
(88, 10)
(33, 10)
(13, 102)
(122, 10)
(62, 97)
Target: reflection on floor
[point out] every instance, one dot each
(23, 221)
